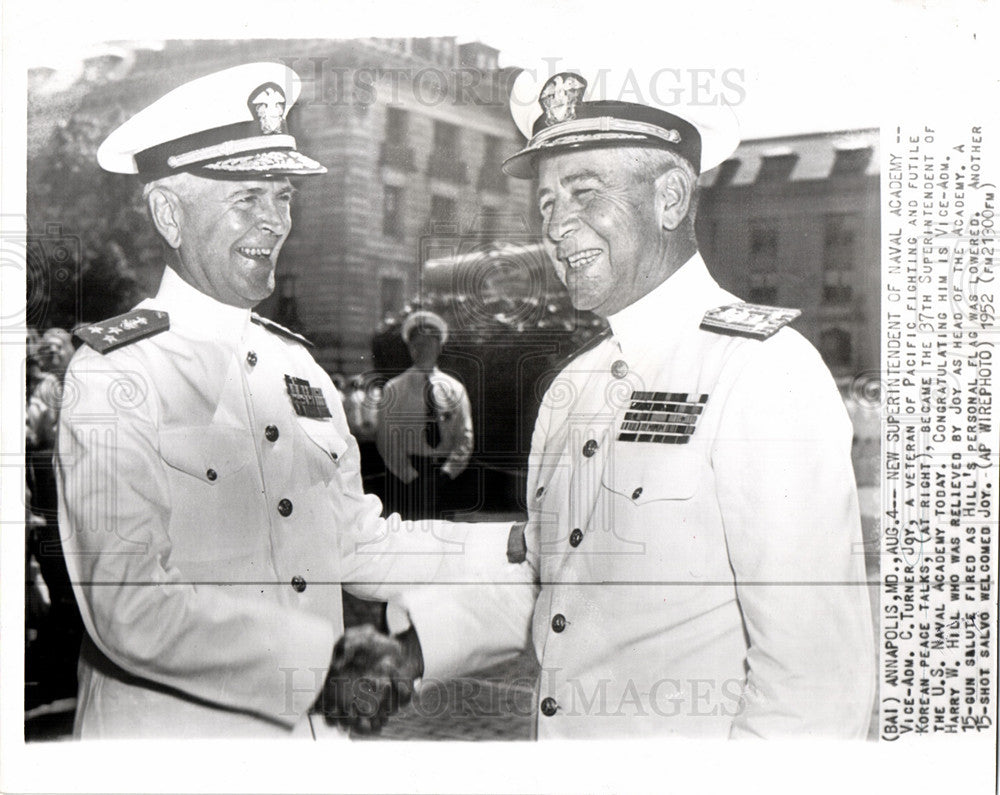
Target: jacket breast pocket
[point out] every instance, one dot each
(211, 454)
(645, 472)
(326, 452)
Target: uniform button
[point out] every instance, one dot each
(575, 537)
(285, 507)
(299, 583)
(589, 448)
(334, 456)
(637, 493)
(558, 622)
(271, 433)
(539, 492)
(619, 369)
(549, 707)
(251, 358)
(211, 474)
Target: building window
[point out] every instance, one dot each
(777, 166)
(763, 243)
(396, 149)
(439, 49)
(396, 126)
(763, 263)
(391, 295)
(445, 161)
(423, 48)
(445, 138)
(491, 176)
(835, 345)
(442, 210)
(840, 237)
(490, 221)
(726, 171)
(392, 216)
(852, 160)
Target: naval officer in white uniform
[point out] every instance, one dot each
(693, 523)
(210, 491)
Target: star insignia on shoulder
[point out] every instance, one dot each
(122, 330)
(755, 321)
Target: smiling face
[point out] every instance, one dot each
(230, 233)
(601, 228)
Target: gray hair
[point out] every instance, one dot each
(647, 164)
(176, 183)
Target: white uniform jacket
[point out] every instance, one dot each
(402, 420)
(694, 529)
(209, 525)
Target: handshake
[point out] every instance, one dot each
(371, 676)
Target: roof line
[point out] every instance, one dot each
(817, 134)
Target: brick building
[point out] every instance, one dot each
(413, 132)
(794, 221)
(414, 175)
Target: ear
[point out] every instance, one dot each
(166, 212)
(673, 197)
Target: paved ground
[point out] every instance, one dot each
(495, 705)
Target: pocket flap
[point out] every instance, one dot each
(324, 434)
(209, 453)
(648, 472)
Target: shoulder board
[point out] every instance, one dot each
(121, 330)
(277, 328)
(755, 321)
(589, 345)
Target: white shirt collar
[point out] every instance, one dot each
(195, 311)
(684, 297)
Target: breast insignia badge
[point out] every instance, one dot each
(307, 400)
(748, 320)
(662, 417)
(121, 330)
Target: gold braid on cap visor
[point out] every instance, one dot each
(598, 128)
(228, 148)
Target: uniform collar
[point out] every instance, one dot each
(673, 305)
(192, 309)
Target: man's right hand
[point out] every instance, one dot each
(517, 547)
(371, 677)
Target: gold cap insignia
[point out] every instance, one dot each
(560, 95)
(267, 103)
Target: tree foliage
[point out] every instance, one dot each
(87, 231)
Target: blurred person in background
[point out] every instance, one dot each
(361, 408)
(51, 661)
(424, 430)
